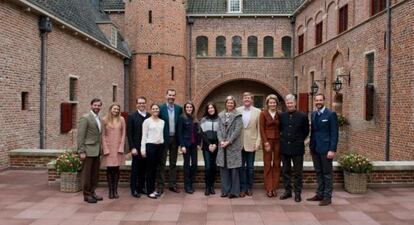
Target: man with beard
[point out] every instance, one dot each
(294, 128)
(89, 148)
(169, 112)
(135, 121)
(324, 139)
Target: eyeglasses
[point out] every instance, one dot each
(141, 103)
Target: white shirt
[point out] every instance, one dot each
(152, 132)
(273, 114)
(246, 116)
(142, 113)
(320, 111)
(97, 119)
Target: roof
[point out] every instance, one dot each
(112, 5)
(82, 15)
(279, 7)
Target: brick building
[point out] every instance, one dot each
(207, 49)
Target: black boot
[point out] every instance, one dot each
(115, 184)
(110, 185)
(212, 190)
(207, 191)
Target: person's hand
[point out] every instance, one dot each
(106, 153)
(224, 144)
(134, 151)
(212, 147)
(183, 150)
(267, 147)
(330, 155)
(143, 153)
(82, 156)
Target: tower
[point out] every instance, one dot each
(156, 31)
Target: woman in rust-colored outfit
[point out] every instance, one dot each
(113, 140)
(269, 131)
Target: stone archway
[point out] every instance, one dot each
(236, 88)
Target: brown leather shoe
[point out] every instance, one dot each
(249, 193)
(242, 194)
(325, 202)
(174, 189)
(315, 199)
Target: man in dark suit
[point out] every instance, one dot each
(135, 121)
(294, 128)
(169, 112)
(324, 139)
(89, 148)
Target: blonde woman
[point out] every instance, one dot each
(113, 138)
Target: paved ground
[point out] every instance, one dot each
(25, 198)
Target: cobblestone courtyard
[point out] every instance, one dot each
(26, 198)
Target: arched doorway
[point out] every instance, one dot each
(237, 88)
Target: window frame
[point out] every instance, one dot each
(343, 19)
(252, 44)
(265, 50)
(229, 6)
(233, 45)
(301, 43)
(221, 48)
(201, 51)
(319, 33)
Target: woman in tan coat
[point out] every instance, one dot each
(113, 139)
(269, 131)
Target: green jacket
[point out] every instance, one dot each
(89, 136)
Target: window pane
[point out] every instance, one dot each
(202, 46)
(236, 46)
(252, 46)
(220, 46)
(234, 5)
(370, 68)
(287, 45)
(268, 46)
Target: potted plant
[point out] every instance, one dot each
(356, 169)
(68, 165)
(342, 121)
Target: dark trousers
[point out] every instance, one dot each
(137, 181)
(230, 181)
(171, 149)
(246, 171)
(90, 175)
(190, 167)
(210, 167)
(324, 177)
(153, 160)
(297, 172)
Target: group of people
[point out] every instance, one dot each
(227, 139)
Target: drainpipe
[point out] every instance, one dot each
(127, 62)
(45, 27)
(292, 51)
(389, 76)
(190, 21)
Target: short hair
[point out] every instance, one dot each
(96, 100)
(141, 97)
(320, 94)
(247, 94)
(154, 104)
(170, 89)
(230, 98)
(290, 97)
(206, 114)
(271, 96)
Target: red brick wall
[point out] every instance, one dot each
(119, 19)
(348, 50)
(67, 55)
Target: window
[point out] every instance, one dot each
(202, 46)
(114, 93)
(73, 89)
(220, 46)
(114, 36)
(343, 19)
(25, 100)
(234, 6)
(149, 66)
(172, 73)
(286, 46)
(370, 68)
(236, 46)
(377, 6)
(300, 43)
(318, 34)
(252, 46)
(258, 101)
(268, 46)
(150, 16)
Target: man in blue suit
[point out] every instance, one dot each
(324, 139)
(169, 112)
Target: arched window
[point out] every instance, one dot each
(268, 46)
(236, 46)
(220, 46)
(202, 46)
(287, 46)
(252, 46)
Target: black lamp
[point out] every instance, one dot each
(314, 87)
(337, 85)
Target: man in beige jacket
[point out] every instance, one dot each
(89, 148)
(251, 143)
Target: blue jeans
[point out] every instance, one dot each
(247, 171)
(210, 167)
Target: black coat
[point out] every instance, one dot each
(134, 132)
(294, 128)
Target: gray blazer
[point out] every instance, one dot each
(89, 136)
(233, 133)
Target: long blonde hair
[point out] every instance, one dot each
(109, 118)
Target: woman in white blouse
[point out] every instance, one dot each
(151, 146)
